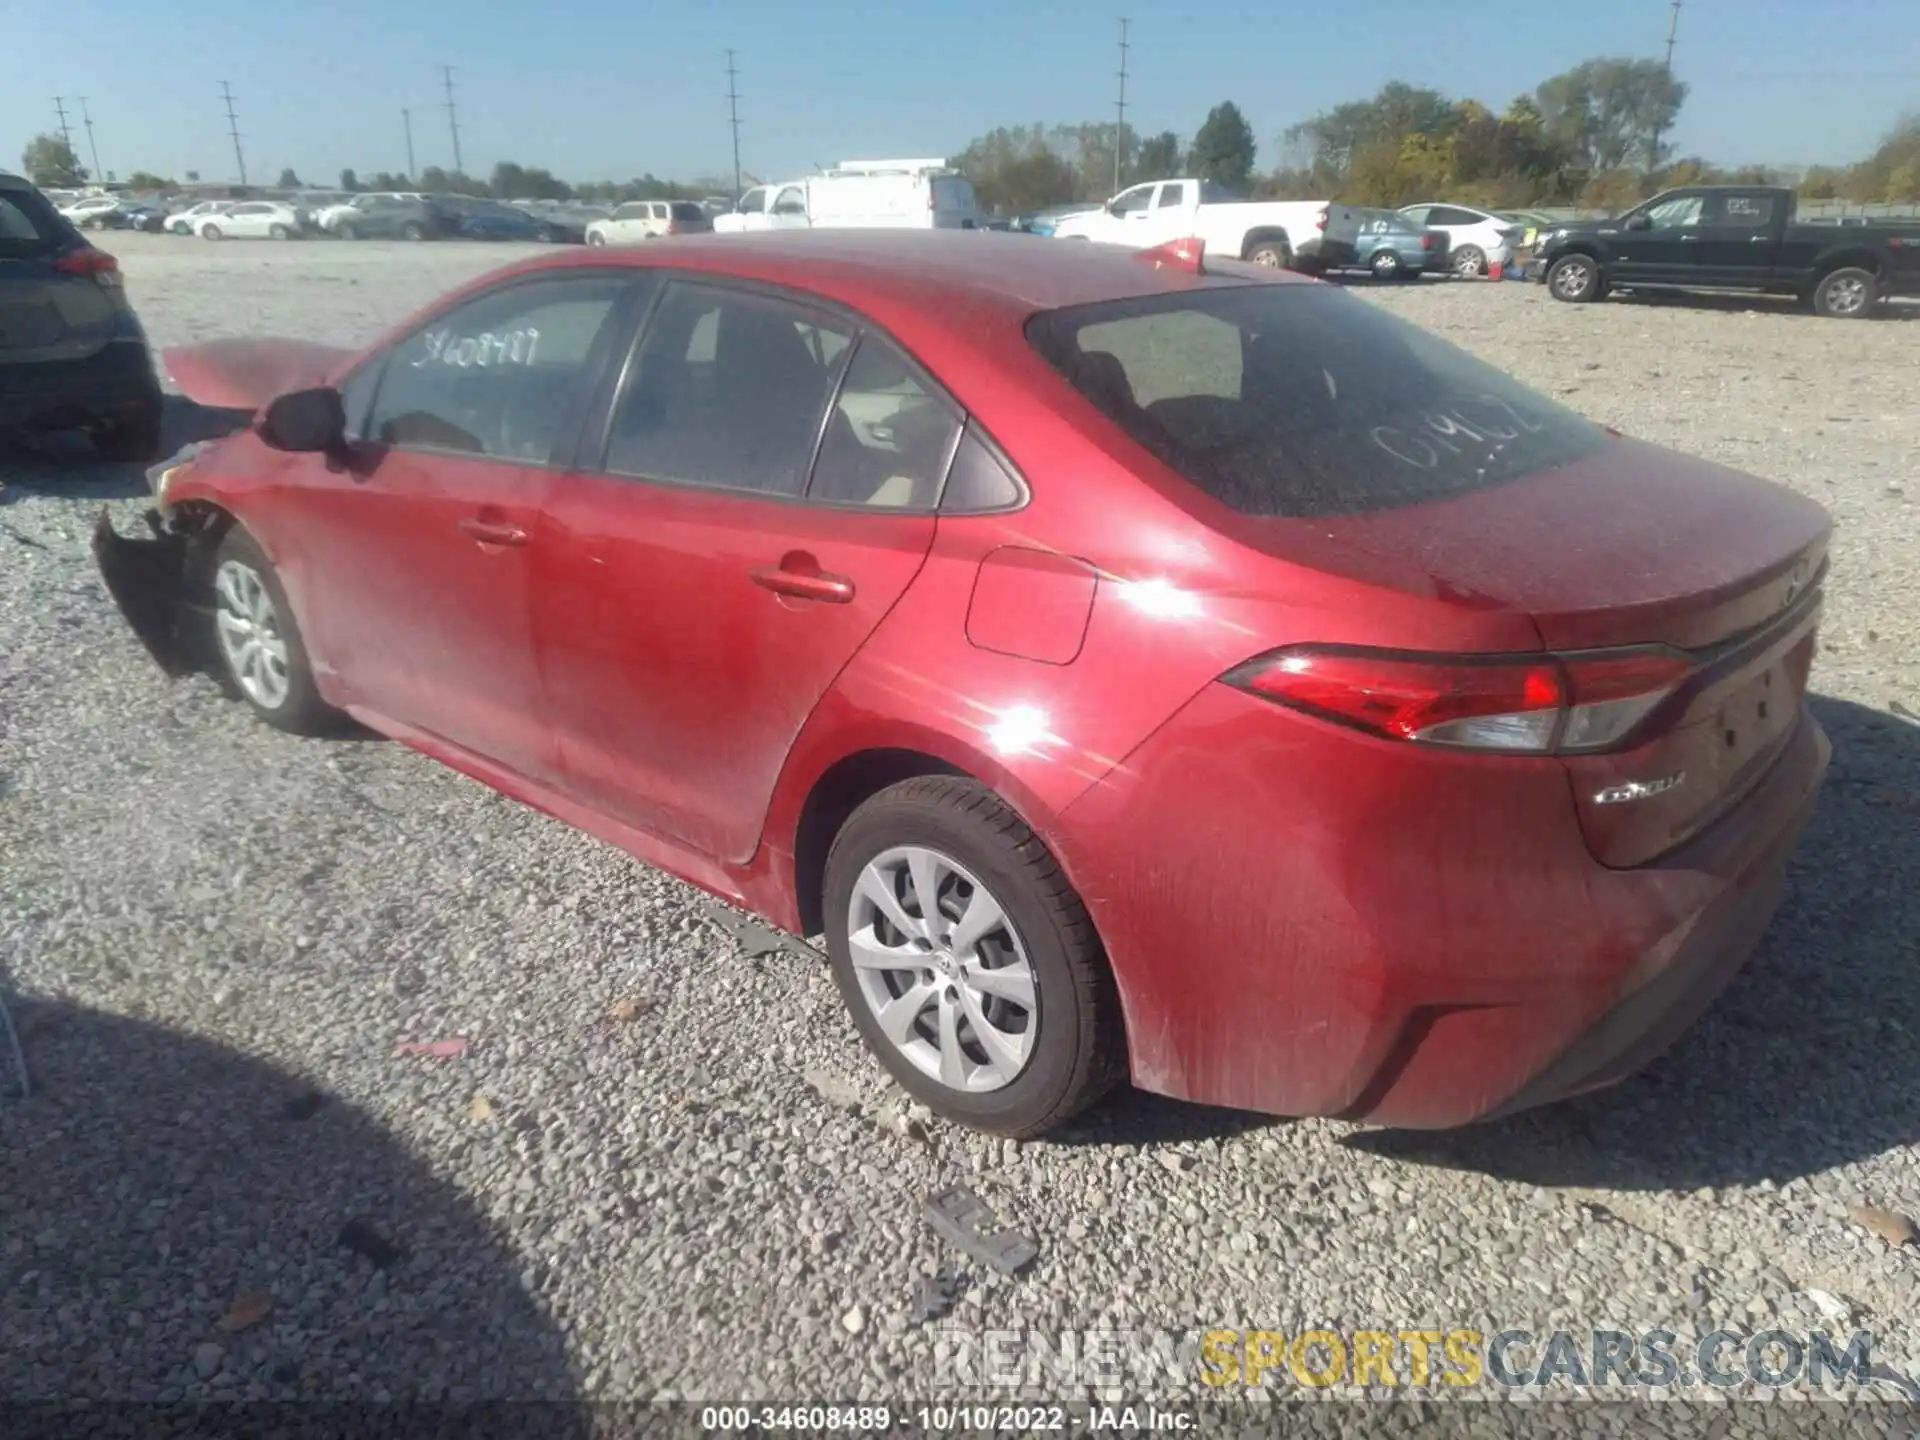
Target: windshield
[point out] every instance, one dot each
(1300, 401)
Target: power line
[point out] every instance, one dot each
(453, 119)
(733, 118)
(86, 119)
(1120, 115)
(233, 129)
(406, 119)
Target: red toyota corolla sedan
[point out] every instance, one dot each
(1135, 665)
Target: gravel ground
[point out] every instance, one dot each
(664, 1165)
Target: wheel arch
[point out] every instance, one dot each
(1261, 234)
(1847, 257)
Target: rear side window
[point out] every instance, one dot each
(1301, 401)
(953, 192)
(28, 224)
(687, 210)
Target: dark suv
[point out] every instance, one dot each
(72, 353)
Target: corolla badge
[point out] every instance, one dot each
(1638, 789)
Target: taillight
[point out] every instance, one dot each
(1522, 704)
(98, 263)
(1426, 242)
(673, 227)
(1320, 220)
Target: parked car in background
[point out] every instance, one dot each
(72, 353)
(146, 215)
(1042, 222)
(1133, 671)
(185, 222)
(566, 224)
(252, 220)
(91, 212)
(1733, 237)
(1476, 239)
(383, 217)
(1391, 247)
(639, 220)
(1531, 222)
(767, 207)
(472, 219)
(1309, 235)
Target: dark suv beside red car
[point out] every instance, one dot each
(72, 353)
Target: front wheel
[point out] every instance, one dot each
(1847, 294)
(262, 659)
(279, 232)
(413, 231)
(596, 238)
(209, 232)
(1274, 254)
(970, 965)
(133, 439)
(1575, 279)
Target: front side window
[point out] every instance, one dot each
(888, 439)
(1134, 201)
(1171, 196)
(728, 390)
(1303, 402)
(753, 202)
(1677, 213)
(792, 201)
(497, 377)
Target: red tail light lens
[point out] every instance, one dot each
(1426, 242)
(673, 227)
(98, 263)
(1524, 704)
(1320, 220)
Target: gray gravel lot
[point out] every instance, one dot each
(220, 934)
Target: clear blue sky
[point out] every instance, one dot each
(613, 88)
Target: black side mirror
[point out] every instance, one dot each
(1640, 222)
(306, 421)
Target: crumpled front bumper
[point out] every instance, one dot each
(149, 576)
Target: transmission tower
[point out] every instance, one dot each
(733, 118)
(86, 120)
(233, 129)
(453, 119)
(1653, 140)
(1120, 112)
(66, 134)
(406, 119)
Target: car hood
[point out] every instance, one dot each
(245, 374)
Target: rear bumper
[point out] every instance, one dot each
(1305, 923)
(115, 382)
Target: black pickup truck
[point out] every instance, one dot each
(1732, 237)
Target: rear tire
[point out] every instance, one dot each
(209, 232)
(279, 232)
(1066, 1048)
(132, 440)
(1273, 254)
(596, 238)
(1385, 265)
(1850, 293)
(274, 677)
(346, 231)
(1469, 262)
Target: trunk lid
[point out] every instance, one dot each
(1638, 546)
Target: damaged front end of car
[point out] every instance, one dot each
(153, 578)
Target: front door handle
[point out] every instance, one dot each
(492, 532)
(799, 576)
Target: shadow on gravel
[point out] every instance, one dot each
(64, 464)
(1134, 1117)
(185, 1222)
(1810, 1060)
(1733, 304)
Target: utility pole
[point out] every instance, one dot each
(60, 109)
(733, 117)
(406, 119)
(453, 119)
(233, 129)
(86, 119)
(1653, 142)
(1120, 114)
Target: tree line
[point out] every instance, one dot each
(1593, 136)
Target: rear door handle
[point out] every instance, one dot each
(492, 532)
(799, 575)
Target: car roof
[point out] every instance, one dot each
(938, 273)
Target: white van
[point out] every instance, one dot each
(892, 195)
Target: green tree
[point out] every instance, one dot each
(145, 181)
(288, 180)
(349, 181)
(1016, 168)
(1159, 157)
(1330, 142)
(1606, 111)
(1223, 148)
(49, 160)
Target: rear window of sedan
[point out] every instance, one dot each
(1301, 401)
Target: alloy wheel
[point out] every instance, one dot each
(250, 638)
(942, 968)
